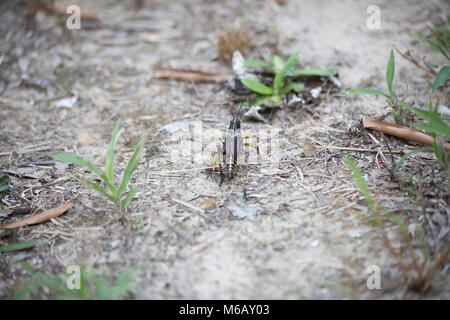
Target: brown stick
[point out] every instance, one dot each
(401, 132)
(38, 218)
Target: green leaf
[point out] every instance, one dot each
(257, 87)
(442, 76)
(102, 289)
(438, 48)
(100, 190)
(277, 62)
(79, 161)
(439, 152)
(407, 155)
(17, 246)
(362, 91)
(278, 81)
(110, 154)
(435, 124)
(128, 198)
(360, 183)
(296, 86)
(260, 100)
(275, 98)
(258, 64)
(122, 285)
(132, 165)
(390, 71)
(4, 183)
(322, 72)
(291, 63)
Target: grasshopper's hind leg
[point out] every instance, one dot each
(214, 170)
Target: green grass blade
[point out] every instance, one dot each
(258, 64)
(409, 154)
(132, 165)
(4, 183)
(390, 71)
(435, 124)
(102, 289)
(79, 161)
(442, 76)
(438, 48)
(100, 190)
(360, 183)
(257, 87)
(122, 285)
(21, 245)
(296, 86)
(25, 292)
(128, 198)
(321, 72)
(110, 154)
(362, 91)
(439, 152)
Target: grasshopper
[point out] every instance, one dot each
(230, 151)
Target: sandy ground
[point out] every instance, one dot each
(306, 241)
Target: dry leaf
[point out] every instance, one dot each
(188, 75)
(59, 8)
(84, 137)
(308, 149)
(401, 132)
(38, 218)
(209, 204)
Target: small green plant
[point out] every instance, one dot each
(92, 286)
(17, 246)
(390, 71)
(115, 193)
(284, 72)
(417, 274)
(439, 40)
(435, 126)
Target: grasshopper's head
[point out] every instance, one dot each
(232, 147)
(235, 124)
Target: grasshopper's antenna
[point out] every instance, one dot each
(240, 105)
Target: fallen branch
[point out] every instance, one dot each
(400, 131)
